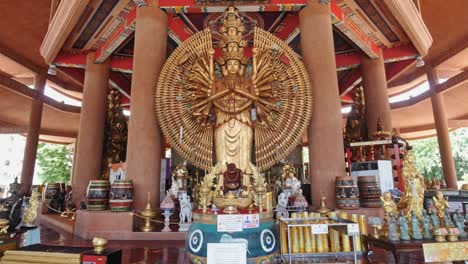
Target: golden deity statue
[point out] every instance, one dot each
(179, 180)
(441, 204)
(413, 197)
(291, 185)
(232, 99)
(30, 213)
(388, 204)
(222, 97)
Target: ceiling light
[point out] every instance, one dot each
(419, 62)
(52, 70)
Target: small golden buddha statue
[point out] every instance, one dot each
(440, 203)
(388, 204)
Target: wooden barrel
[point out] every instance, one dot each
(52, 195)
(121, 196)
(347, 203)
(97, 195)
(347, 193)
(369, 187)
(370, 192)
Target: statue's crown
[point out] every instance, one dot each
(232, 40)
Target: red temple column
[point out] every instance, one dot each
(30, 151)
(88, 151)
(325, 135)
(144, 135)
(441, 124)
(374, 82)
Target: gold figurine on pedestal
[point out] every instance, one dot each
(441, 204)
(413, 197)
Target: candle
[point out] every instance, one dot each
(357, 241)
(344, 237)
(363, 228)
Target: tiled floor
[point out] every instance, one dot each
(172, 252)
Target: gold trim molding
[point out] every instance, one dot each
(410, 19)
(65, 18)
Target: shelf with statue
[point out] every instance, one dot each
(407, 226)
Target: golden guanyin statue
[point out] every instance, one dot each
(413, 197)
(221, 97)
(232, 99)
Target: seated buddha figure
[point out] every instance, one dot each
(232, 180)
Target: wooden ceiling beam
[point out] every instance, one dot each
(23, 90)
(452, 52)
(179, 31)
(66, 86)
(453, 82)
(190, 6)
(288, 29)
(9, 53)
(121, 34)
(352, 31)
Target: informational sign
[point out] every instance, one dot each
(445, 252)
(226, 253)
(319, 229)
(250, 221)
(230, 223)
(353, 229)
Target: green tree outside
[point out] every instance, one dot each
(54, 163)
(427, 155)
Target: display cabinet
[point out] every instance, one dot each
(318, 237)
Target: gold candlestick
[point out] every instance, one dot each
(148, 213)
(344, 237)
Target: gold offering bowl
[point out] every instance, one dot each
(99, 244)
(231, 200)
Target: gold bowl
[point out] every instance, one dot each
(240, 202)
(465, 187)
(99, 244)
